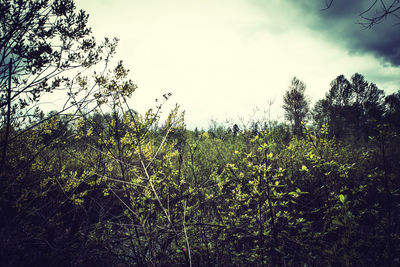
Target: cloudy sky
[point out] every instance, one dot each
(223, 59)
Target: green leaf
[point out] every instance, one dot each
(337, 222)
(342, 198)
(304, 168)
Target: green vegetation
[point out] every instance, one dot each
(101, 185)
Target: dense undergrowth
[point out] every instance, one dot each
(113, 190)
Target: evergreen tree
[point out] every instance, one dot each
(338, 99)
(235, 129)
(296, 105)
(392, 110)
(351, 108)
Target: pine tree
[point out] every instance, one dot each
(296, 105)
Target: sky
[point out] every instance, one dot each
(224, 60)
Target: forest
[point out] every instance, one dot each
(96, 183)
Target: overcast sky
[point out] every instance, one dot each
(222, 59)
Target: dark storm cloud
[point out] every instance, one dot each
(338, 8)
(341, 23)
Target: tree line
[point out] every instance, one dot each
(352, 109)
